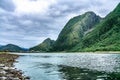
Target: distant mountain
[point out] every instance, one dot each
(75, 30)
(105, 36)
(12, 48)
(45, 46)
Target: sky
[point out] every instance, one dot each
(27, 23)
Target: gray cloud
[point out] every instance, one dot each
(27, 30)
(7, 5)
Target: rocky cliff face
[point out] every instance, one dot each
(74, 30)
(105, 36)
(45, 46)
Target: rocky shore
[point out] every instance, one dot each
(7, 70)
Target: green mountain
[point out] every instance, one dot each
(105, 36)
(75, 30)
(45, 46)
(11, 48)
(87, 32)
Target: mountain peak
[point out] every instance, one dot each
(47, 40)
(90, 12)
(46, 45)
(75, 29)
(99, 39)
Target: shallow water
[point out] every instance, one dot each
(69, 66)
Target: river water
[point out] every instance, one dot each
(69, 66)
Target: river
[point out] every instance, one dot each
(69, 66)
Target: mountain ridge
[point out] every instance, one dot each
(74, 30)
(12, 48)
(89, 32)
(105, 36)
(45, 46)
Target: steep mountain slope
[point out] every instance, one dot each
(74, 30)
(105, 36)
(11, 48)
(45, 46)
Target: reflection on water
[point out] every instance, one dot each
(58, 66)
(74, 73)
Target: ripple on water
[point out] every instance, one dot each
(70, 66)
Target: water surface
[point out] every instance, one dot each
(69, 66)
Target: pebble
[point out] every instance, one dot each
(8, 72)
(2, 65)
(11, 78)
(27, 78)
(5, 68)
(3, 72)
(3, 78)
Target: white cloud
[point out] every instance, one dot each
(29, 22)
(32, 7)
(26, 22)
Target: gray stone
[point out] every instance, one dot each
(2, 65)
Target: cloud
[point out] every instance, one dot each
(32, 6)
(28, 22)
(7, 5)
